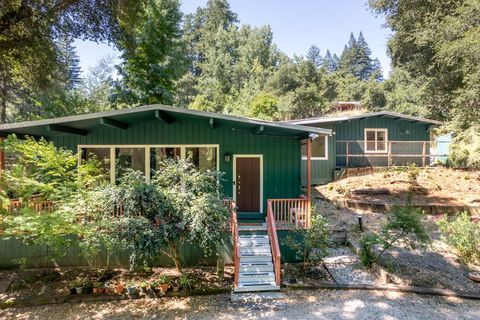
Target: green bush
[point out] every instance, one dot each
(404, 224)
(465, 148)
(463, 235)
(310, 244)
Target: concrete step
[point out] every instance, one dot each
(256, 297)
(256, 277)
(256, 287)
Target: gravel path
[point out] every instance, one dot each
(346, 268)
(321, 304)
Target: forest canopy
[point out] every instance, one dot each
(209, 60)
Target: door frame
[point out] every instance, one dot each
(234, 184)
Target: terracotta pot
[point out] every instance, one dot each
(95, 290)
(101, 290)
(119, 288)
(164, 287)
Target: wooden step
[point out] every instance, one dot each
(262, 227)
(254, 250)
(256, 267)
(256, 277)
(255, 259)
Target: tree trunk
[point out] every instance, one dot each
(3, 106)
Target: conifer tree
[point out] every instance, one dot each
(314, 56)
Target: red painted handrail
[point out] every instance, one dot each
(291, 212)
(236, 238)
(274, 246)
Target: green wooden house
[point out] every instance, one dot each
(367, 140)
(261, 161)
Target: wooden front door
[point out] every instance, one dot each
(247, 184)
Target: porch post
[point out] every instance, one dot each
(309, 179)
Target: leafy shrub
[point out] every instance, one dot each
(465, 148)
(463, 235)
(404, 224)
(367, 255)
(310, 244)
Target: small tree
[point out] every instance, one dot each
(52, 174)
(310, 244)
(193, 209)
(404, 224)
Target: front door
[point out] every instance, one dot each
(248, 183)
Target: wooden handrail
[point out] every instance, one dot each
(236, 238)
(291, 212)
(274, 246)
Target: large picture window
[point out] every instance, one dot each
(319, 149)
(376, 140)
(204, 158)
(157, 155)
(147, 159)
(129, 158)
(102, 155)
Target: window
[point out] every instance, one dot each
(157, 155)
(148, 158)
(319, 149)
(376, 140)
(204, 158)
(129, 158)
(102, 155)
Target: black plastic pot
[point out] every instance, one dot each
(73, 291)
(87, 290)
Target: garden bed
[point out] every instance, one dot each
(53, 284)
(439, 186)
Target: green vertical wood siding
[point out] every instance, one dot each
(281, 164)
(354, 130)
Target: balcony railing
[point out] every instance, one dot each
(354, 153)
(288, 213)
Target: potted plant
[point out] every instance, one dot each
(175, 286)
(79, 286)
(185, 281)
(71, 286)
(87, 286)
(98, 287)
(164, 281)
(154, 286)
(131, 288)
(119, 288)
(143, 287)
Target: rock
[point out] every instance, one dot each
(43, 290)
(474, 276)
(17, 285)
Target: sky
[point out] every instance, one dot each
(296, 25)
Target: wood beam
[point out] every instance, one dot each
(259, 130)
(309, 172)
(164, 117)
(65, 129)
(113, 123)
(211, 122)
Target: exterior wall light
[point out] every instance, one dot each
(226, 157)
